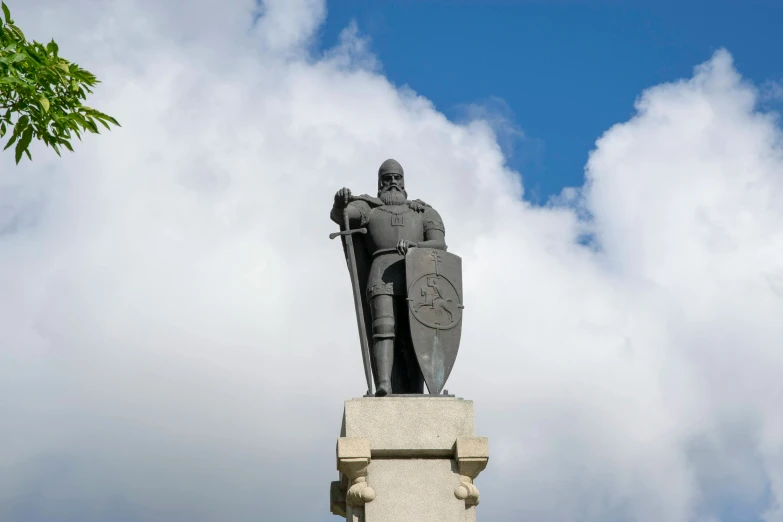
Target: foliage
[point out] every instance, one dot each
(41, 94)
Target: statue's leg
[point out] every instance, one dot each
(382, 308)
(414, 379)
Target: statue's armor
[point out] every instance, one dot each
(386, 226)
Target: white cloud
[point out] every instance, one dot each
(772, 91)
(176, 329)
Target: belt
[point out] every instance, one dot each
(385, 251)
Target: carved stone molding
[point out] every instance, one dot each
(472, 455)
(353, 458)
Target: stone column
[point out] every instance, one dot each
(408, 458)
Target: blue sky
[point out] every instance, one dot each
(567, 70)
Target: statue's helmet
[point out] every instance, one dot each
(390, 166)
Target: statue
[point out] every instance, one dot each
(407, 288)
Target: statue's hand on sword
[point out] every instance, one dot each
(342, 198)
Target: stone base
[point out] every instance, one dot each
(405, 459)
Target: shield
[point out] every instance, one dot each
(434, 280)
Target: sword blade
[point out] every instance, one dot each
(357, 301)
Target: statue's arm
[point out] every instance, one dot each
(436, 240)
(434, 231)
(357, 213)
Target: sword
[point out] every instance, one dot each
(347, 233)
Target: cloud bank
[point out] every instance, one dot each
(176, 330)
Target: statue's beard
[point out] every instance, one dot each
(393, 196)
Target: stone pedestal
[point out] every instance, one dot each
(408, 459)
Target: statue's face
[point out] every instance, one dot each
(391, 189)
(392, 180)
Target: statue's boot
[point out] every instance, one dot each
(384, 359)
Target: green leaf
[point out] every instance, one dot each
(18, 32)
(23, 143)
(18, 151)
(64, 67)
(11, 141)
(53, 48)
(6, 14)
(44, 103)
(33, 55)
(103, 118)
(18, 57)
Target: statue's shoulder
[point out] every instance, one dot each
(418, 205)
(432, 220)
(426, 210)
(366, 201)
(362, 207)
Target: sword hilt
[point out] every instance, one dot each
(346, 232)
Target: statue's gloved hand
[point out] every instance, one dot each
(403, 245)
(417, 205)
(342, 198)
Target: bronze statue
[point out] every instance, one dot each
(407, 288)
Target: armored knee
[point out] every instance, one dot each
(382, 320)
(382, 307)
(383, 327)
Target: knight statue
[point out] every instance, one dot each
(394, 245)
